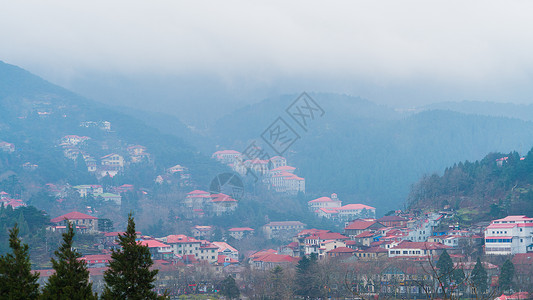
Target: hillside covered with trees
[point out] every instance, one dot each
(494, 187)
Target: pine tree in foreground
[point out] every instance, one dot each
(506, 276)
(16, 279)
(71, 277)
(445, 268)
(479, 278)
(129, 275)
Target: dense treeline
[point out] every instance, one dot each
(499, 187)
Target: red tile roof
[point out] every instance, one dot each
(72, 216)
(153, 244)
(360, 225)
(321, 199)
(420, 245)
(355, 207)
(241, 229)
(180, 238)
(342, 250)
(270, 257)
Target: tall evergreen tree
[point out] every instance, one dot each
(445, 268)
(129, 275)
(479, 277)
(71, 277)
(277, 287)
(16, 279)
(307, 284)
(506, 276)
(229, 288)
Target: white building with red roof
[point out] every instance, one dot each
(325, 202)
(227, 250)
(82, 221)
(239, 233)
(268, 261)
(508, 236)
(283, 180)
(324, 207)
(158, 250)
(182, 245)
(197, 199)
(227, 156)
(222, 203)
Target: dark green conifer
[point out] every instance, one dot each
(445, 268)
(71, 277)
(479, 277)
(129, 275)
(506, 276)
(16, 278)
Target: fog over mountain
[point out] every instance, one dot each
(199, 61)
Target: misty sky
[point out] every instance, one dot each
(195, 57)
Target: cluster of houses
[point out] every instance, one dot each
(6, 200)
(107, 165)
(274, 171)
(399, 240)
(177, 174)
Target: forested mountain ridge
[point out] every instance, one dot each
(370, 153)
(494, 187)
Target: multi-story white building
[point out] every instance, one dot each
(183, 245)
(510, 235)
(278, 161)
(283, 180)
(325, 202)
(227, 156)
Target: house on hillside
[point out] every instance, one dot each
(222, 203)
(324, 202)
(137, 153)
(112, 160)
(7, 147)
(182, 245)
(283, 230)
(393, 221)
(83, 222)
(227, 157)
(268, 261)
(357, 227)
(89, 189)
(117, 199)
(239, 233)
(202, 232)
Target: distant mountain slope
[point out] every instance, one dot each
(370, 153)
(35, 114)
